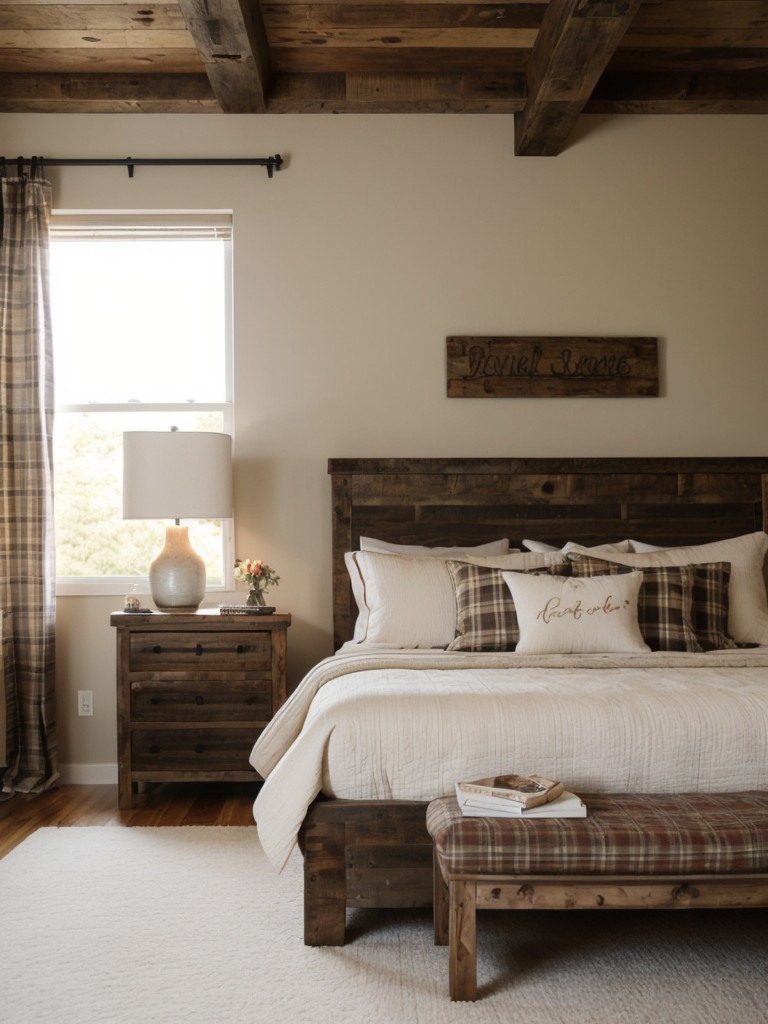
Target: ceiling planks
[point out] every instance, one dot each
(109, 93)
(543, 62)
(618, 93)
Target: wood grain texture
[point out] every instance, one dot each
(573, 48)
(621, 892)
(362, 853)
(462, 931)
(324, 883)
(109, 92)
(96, 806)
(596, 56)
(561, 367)
(467, 894)
(231, 40)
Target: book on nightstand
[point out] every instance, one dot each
(525, 790)
(567, 805)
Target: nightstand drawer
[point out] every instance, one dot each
(198, 750)
(199, 649)
(185, 700)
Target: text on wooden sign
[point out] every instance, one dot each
(552, 367)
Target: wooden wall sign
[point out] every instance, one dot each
(535, 367)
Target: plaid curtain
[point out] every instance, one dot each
(27, 569)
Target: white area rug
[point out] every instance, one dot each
(132, 925)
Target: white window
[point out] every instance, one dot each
(142, 337)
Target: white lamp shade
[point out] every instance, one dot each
(177, 474)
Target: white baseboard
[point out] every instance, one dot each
(87, 774)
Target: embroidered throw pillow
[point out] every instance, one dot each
(577, 615)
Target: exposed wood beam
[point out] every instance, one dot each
(576, 41)
(232, 43)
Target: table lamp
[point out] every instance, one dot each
(177, 475)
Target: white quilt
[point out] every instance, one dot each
(407, 725)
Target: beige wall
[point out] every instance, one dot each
(384, 235)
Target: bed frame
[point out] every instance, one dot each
(379, 853)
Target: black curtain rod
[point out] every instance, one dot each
(272, 163)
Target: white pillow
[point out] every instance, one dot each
(358, 592)
(577, 615)
(747, 603)
(539, 545)
(493, 547)
(596, 549)
(640, 546)
(410, 601)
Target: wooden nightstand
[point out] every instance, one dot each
(194, 690)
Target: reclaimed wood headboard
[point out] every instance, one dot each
(665, 501)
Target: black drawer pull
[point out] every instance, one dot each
(154, 749)
(199, 748)
(199, 699)
(199, 650)
(154, 700)
(241, 649)
(157, 649)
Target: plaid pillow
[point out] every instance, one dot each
(665, 602)
(486, 619)
(709, 599)
(710, 605)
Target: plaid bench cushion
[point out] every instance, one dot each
(697, 833)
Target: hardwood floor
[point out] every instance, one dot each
(95, 806)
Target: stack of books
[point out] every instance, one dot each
(518, 796)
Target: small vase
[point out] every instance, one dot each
(256, 597)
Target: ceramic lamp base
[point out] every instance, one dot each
(177, 575)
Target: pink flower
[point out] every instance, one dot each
(257, 573)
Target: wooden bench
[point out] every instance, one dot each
(631, 851)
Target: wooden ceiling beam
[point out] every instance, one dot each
(232, 42)
(576, 41)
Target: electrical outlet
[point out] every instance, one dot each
(85, 702)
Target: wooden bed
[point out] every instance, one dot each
(378, 853)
